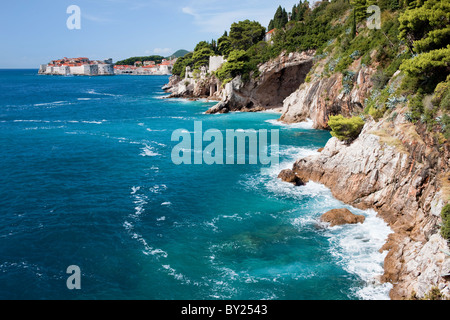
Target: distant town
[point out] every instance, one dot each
(146, 68)
(86, 67)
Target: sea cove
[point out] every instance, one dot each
(93, 185)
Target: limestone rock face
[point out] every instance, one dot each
(338, 217)
(324, 97)
(277, 79)
(391, 169)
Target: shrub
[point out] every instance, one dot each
(345, 129)
(445, 230)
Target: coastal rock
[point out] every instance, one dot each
(338, 217)
(289, 176)
(321, 98)
(396, 171)
(278, 78)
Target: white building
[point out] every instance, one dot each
(78, 67)
(216, 62)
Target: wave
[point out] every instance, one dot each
(153, 130)
(50, 103)
(308, 124)
(148, 250)
(357, 248)
(45, 128)
(140, 201)
(61, 121)
(92, 91)
(147, 151)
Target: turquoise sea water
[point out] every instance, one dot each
(87, 180)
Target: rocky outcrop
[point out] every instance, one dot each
(289, 176)
(323, 97)
(278, 78)
(394, 170)
(193, 88)
(339, 217)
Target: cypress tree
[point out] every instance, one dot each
(354, 24)
(284, 18)
(294, 16)
(278, 18)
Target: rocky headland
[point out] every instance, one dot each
(394, 167)
(400, 176)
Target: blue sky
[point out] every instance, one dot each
(33, 32)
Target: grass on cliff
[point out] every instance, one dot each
(445, 230)
(387, 138)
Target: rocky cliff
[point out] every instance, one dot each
(322, 97)
(278, 78)
(393, 167)
(394, 170)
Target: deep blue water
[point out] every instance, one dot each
(87, 179)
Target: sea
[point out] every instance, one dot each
(88, 180)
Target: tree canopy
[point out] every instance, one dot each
(246, 33)
(132, 60)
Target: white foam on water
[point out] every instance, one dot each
(140, 200)
(87, 99)
(166, 203)
(153, 130)
(92, 91)
(179, 276)
(38, 121)
(135, 189)
(147, 151)
(50, 103)
(357, 249)
(45, 128)
(308, 124)
(158, 188)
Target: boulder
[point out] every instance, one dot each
(338, 217)
(289, 176)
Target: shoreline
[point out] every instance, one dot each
(375, 281)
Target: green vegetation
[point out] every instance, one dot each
(196, 59)
(131, 61)
(345, 129)
(280, 19)
(445, 214)
(414, 39)
(246, 33)
(236, 65)
(178, 54)
(425, 29)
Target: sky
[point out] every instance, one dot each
(33, 32)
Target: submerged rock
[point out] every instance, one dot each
(338, 217)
